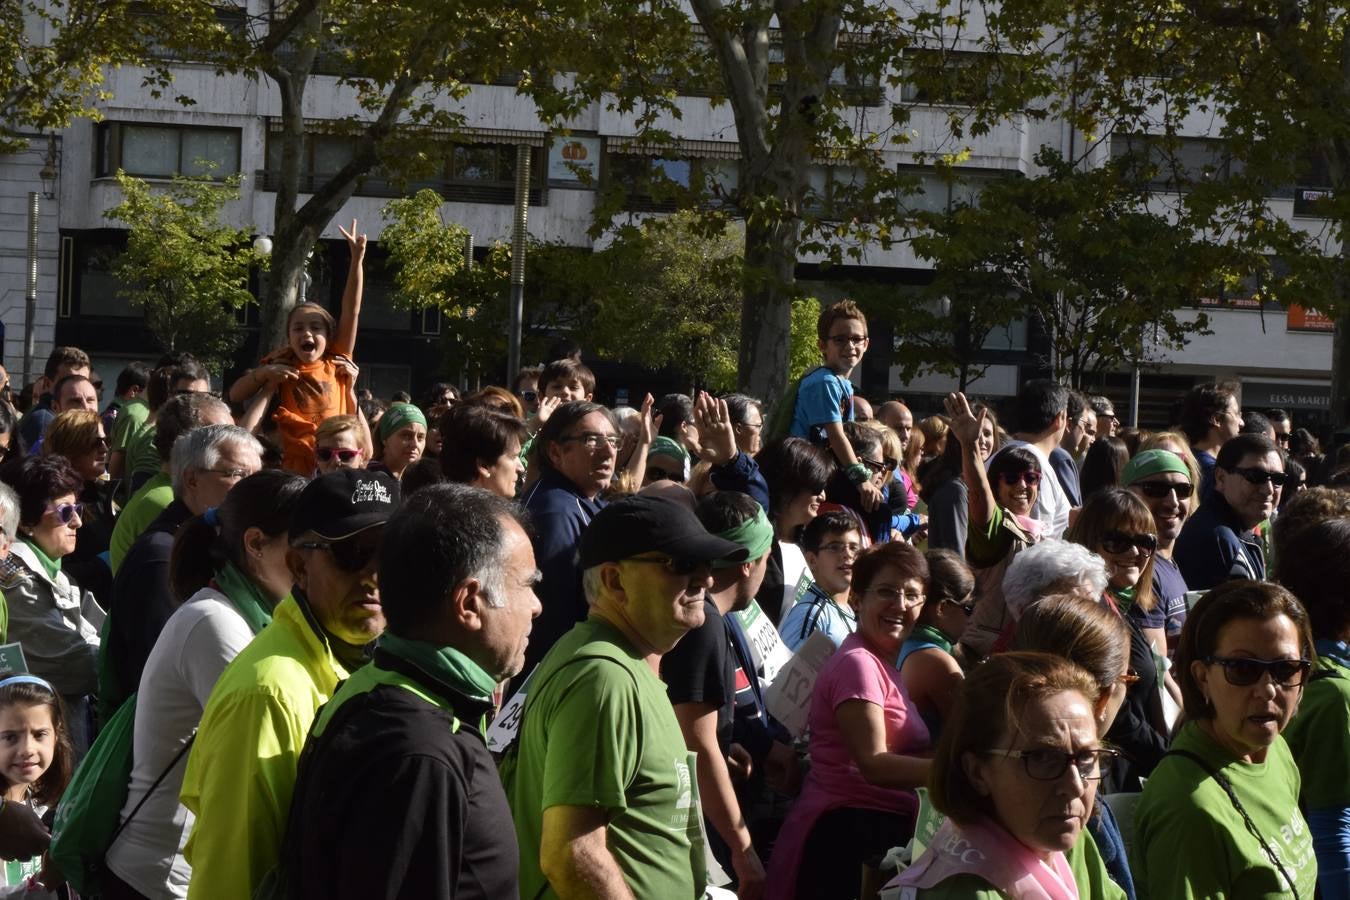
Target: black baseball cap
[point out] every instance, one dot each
(343, 503)
(645, 524)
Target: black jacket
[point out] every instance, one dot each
(392, 801)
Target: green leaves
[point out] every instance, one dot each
(186, 270)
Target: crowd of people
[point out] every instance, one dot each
(295, 642)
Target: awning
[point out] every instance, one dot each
(696, 149)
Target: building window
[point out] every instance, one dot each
(471, 173)
(943, 192)
(162, 151)
(948, 77)
(1176, 167)
(654, 183)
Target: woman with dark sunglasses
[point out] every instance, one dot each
(1220, 815)
(1116, 525)
(78, 435)
(928, 668)
(55, 619)
(1000, 522)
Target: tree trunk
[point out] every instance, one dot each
(766, 310)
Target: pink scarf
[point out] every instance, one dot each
(990, 853)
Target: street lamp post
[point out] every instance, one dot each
(518, 259)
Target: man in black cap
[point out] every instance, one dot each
(241, 770)
(602, 787)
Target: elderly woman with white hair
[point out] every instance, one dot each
(1052, 567)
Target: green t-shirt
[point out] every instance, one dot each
(598, 731)
(1190, 841)
(131, 421)
(1318, 736)
(143, 508)
(141, 453)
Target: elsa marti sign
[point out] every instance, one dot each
(574, 161)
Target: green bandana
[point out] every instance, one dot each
(445, 664)
(1124, 597)
(400, 415)
(1152, 462)
(931, 634)
(245, 597)
(755, 535)
(664, 446)
(52, 566)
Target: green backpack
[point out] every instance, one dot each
(87, 818)
(780, 419)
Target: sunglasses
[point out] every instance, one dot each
(966, 604)
(1254, 475)
(1050, 765)
(351, 554)
(1158, 490)
(344, 454)
(529, 396)
(1244, 672)
(656, 473)
(1029, 478)
(1121, 541)
(66, 512)
(876, 468)
(680, 567)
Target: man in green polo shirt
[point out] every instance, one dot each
(602, 787)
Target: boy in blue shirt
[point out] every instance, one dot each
(831, 543)
(825, 395)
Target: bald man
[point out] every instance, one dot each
(896, 416)
(862, 410)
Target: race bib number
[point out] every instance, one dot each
(504, 728)
(788, 699)
(767, 648)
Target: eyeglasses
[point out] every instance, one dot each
(351, 554)
(592, 440)
(344, 454)
(891, 595)
(1260, 476)
(67, 512)
(1160, 489)
(1241, 671)
(680, 567)
(891, 463)
(1030, 478)
(232, 474)
(752, 426)
(1048, 765)
(841, 547)
(1121, 542)
(847, 340)
(966, 604)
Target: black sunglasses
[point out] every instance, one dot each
(1261, 476)
(1120, 541)
(1242, 671)
(351, 554)
(1160, 489)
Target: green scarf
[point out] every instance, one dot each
(445, 664)
(52, 566)
(931, 634)
(1124, 597)
(245, 597)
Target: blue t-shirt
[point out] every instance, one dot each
(823, 396)
(816, 611)
(1170, 590)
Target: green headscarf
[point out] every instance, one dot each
(664, 446)
(1152, 462)
(398, 416)
(755, 535)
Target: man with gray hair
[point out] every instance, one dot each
(205, 464)
(457, 577)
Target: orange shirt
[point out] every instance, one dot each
(321, 391)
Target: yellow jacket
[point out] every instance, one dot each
(241, 771)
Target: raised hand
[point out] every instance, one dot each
(648, 425)
(965, 424)
(716, 434)
(356, 243)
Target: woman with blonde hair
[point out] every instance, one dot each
(341, 442)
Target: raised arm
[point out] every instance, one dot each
(966, 427)
(344, 342)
